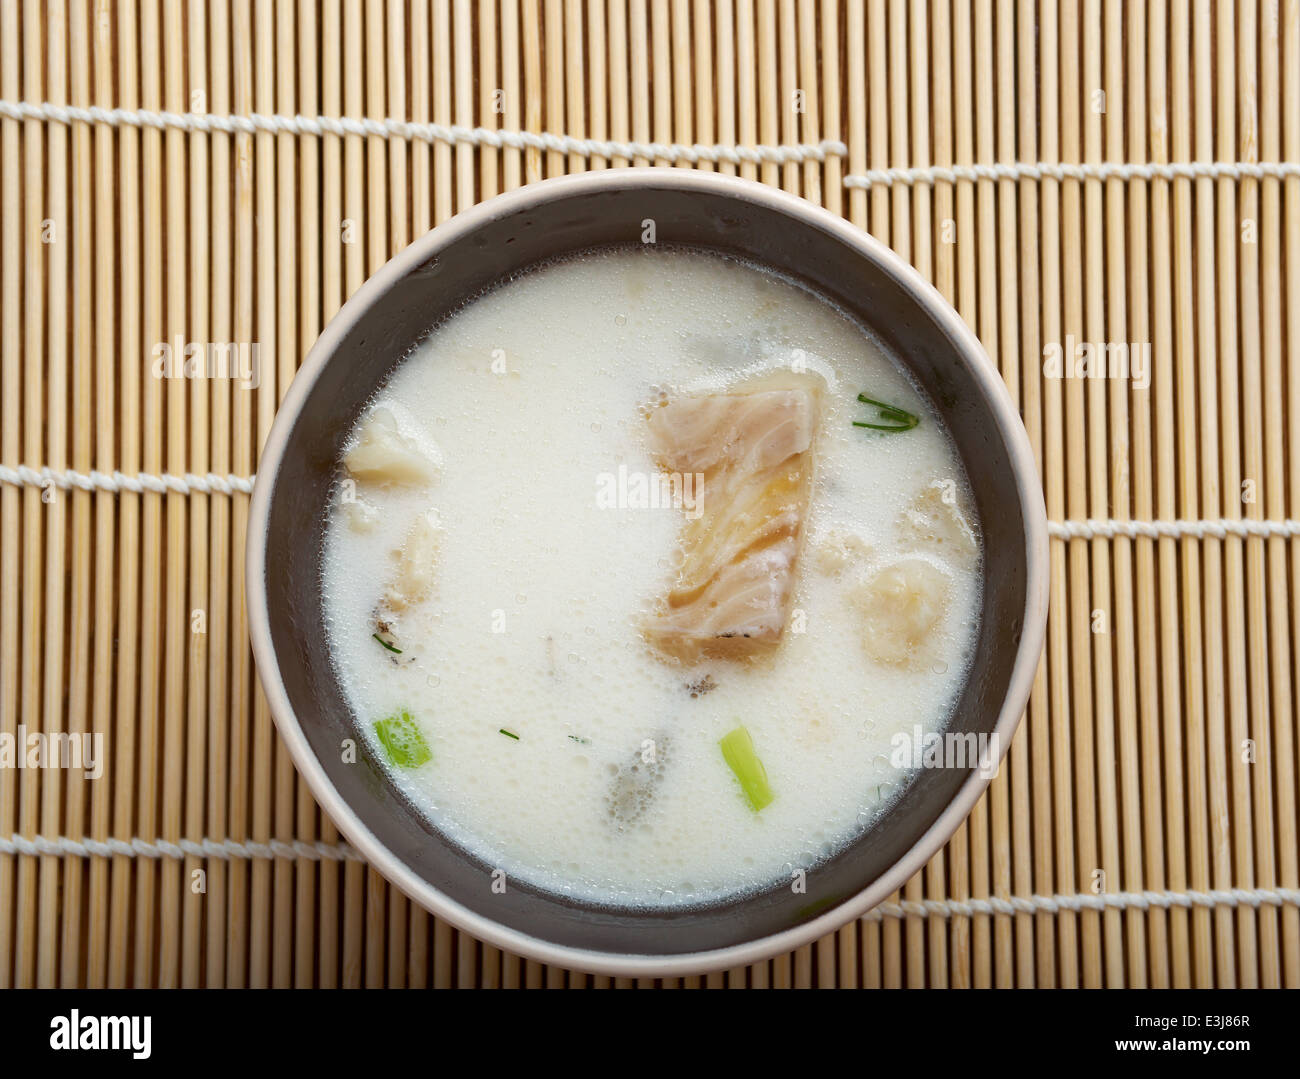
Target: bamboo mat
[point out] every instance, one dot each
(1143, 830)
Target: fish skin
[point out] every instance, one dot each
(733, 592)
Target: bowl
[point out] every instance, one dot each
(370, 336)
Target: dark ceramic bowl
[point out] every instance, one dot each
(394, 310)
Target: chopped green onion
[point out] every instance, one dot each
(580, 741)
(738, 752)
(401, 738)
(386, 644)
(508, 734)
(898, 419)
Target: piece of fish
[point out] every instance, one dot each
(739, 552)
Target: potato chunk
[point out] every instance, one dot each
(412, 581)
(901, 607)
(839, 550)
(383, 454)
(934, 520)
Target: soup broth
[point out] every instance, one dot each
(628, 604)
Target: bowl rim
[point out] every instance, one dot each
(1011, 429)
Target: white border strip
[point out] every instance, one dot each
(229, 849)
(1211, 528)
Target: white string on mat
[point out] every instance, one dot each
(224, 849)
(1100, 170)
(1054, 904)
(1213, 528)
(497, 138)
(228, 849)
(454, 134)
(68, 479)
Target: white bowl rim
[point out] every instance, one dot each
(1033, 624)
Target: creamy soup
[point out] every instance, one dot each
(628, 604)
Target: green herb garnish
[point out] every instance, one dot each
(402, 741)
(508, 734)
(580, 741)
(738, 752)
(898, 419)
(390, 647)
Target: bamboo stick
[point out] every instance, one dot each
(50, 645)
(245, 406)
(1117, 624)
(72, 899)
(1236, 854)
(1066, 970)
(333, 237)
(619, 109)
(220, 601)
(383, 913)
(1073, 98)
(1010, 848)
(945, 279)
(197, 618)
(1285, 970)
(900, 156)
(305, 937)
(32, 358)
(1164, 381)
(683, 88)
(1195, 286)
(1036, 950)
(12, 501)
(265, 911)
(107, 238)
(553, 53)
(959, 846)
(1289, 26)
(595, 90)
(151, 552)
(725, 65)
(827, 60)
(1148, 963)
(1258, 764)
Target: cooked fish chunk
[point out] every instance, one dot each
(901, 606)
(739, 553)
(383, 454)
